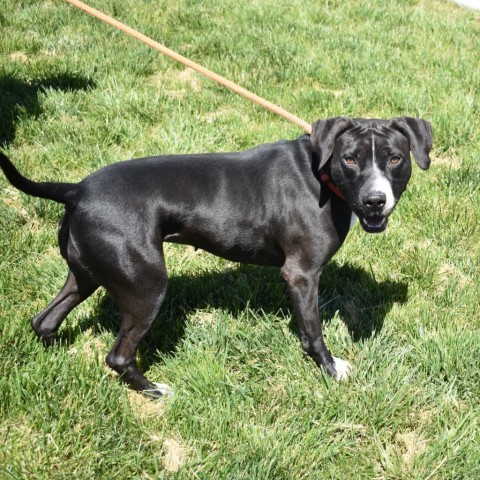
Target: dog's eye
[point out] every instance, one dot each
(350, 161)
(395, 159)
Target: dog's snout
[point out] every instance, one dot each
(374, 201)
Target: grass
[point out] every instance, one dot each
(402, 306)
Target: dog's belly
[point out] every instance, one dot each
(259, 251)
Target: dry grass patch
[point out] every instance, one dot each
(94, 347)
(453, 163)
(223, 114)
(174, 456)
(413, 445)
(11, 198)
(176, 84)
(203, 318)
(448, 271)
(144, 407)
(19, 57)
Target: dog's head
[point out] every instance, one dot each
(369, 160)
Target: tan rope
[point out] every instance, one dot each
(195, 66)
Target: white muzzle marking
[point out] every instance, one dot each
(380, 183)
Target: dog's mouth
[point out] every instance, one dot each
(374, 223)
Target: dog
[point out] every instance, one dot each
(288, 204)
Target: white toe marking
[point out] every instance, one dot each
(342, 368)
(164, 389)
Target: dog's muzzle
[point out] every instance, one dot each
(373, 217)
(373, 223)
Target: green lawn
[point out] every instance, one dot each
(402, 307)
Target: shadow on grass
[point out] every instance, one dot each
(361, 301)
(19, 97)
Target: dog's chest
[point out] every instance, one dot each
(353, 221)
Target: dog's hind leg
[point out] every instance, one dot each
(139, 301)
(77, 288)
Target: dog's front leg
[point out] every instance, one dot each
(302, 286)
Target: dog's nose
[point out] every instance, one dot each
(374, 201)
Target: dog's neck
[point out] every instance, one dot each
(327, 180)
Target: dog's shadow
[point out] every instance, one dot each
(20, 97)
(362, 302)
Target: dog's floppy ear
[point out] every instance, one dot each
(419, 135)
(325, 133)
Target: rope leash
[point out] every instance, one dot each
(325, 177)
(194, 66)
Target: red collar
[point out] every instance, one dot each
(327, 180)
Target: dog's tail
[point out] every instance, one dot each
(65, 193)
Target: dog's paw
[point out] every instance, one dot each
(164, 389)
(342, 369)
(159, 390)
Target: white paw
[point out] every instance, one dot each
(164, 389)
(342, 368)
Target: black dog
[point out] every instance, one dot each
(288, 204)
